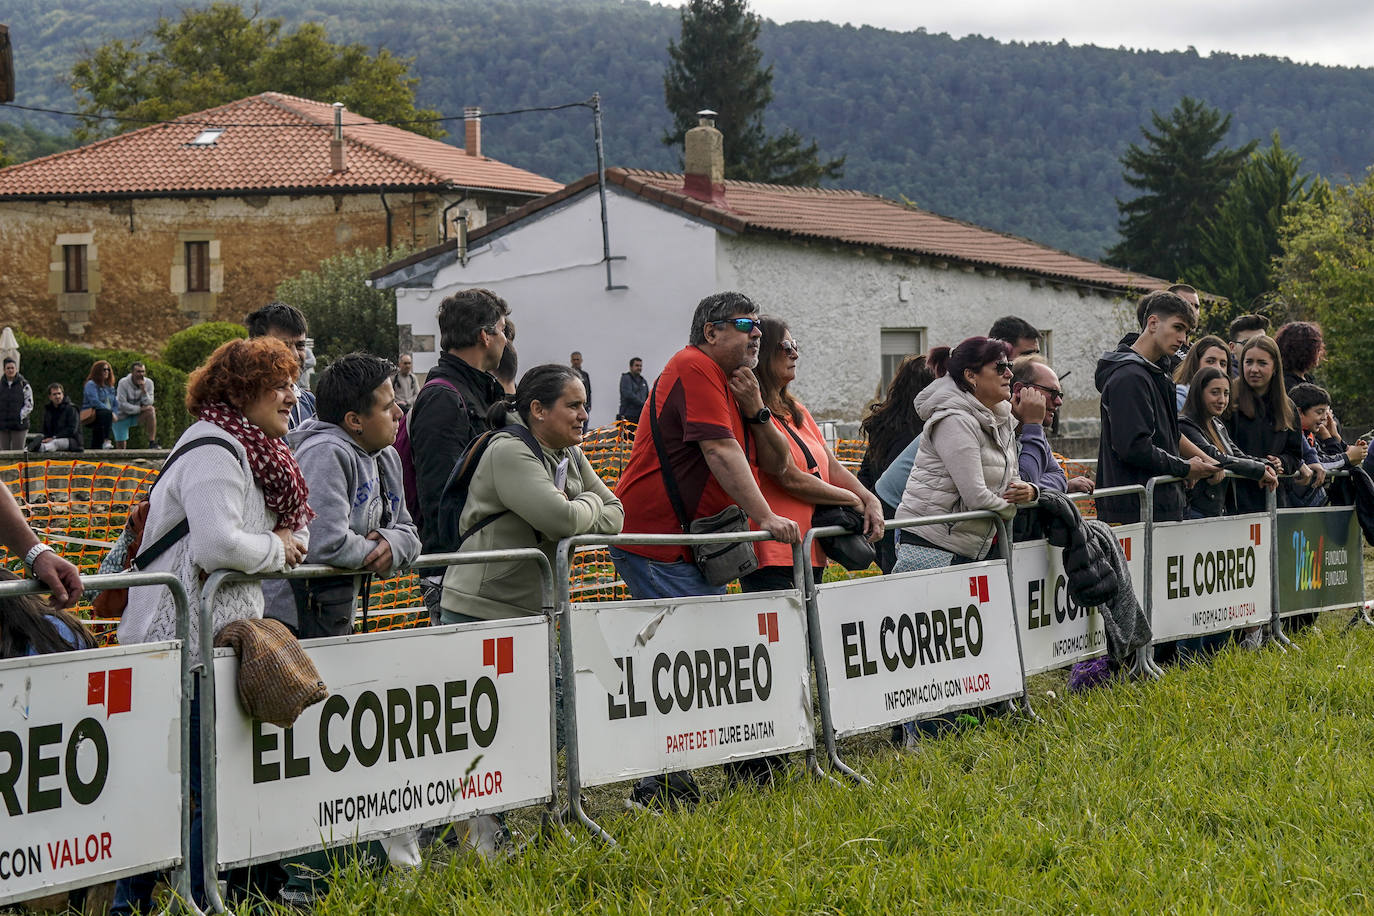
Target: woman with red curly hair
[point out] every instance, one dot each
(243, 498)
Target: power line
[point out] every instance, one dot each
(589, 103)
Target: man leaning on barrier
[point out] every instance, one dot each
(707, 406)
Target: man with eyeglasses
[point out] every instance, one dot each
(706, 405)
(1035, 398)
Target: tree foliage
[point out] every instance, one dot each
(220, 53)
(717, 65)
(1184, 177)
(1326, 275)
(188, 348)
(345, 314)
(1239, 244)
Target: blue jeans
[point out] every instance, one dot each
(647, 578)
(135, 893)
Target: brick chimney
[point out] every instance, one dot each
(472, 130)
(705, 161)
(338, 160)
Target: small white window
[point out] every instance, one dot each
(207, 137)
(1047, 345)
(897, 345)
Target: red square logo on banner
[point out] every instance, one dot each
(768, 625)
(500, 652)
(95, 688)
(119, 697)
(1255, 531)
(978, 587)
(1126, 548)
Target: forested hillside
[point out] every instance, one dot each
(1022, 138)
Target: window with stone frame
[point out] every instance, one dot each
(198, 267)
(74, 275)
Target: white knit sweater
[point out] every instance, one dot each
(231, 528)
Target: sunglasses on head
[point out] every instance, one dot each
(743, 325)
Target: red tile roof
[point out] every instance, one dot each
(292, 154)
(841, 217)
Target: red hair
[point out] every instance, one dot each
(240, 371)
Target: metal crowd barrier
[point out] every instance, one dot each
(504, 660)
(719, 666)
(116, 692)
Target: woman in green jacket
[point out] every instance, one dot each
(535, 498)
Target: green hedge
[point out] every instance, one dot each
(189, 348)
(44, 361)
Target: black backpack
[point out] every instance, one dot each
(448, 536)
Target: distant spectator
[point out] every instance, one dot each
(634, 391)
(1035, 399)
(404, 383)
(1302, 349)
(134, 396)
(1239, 333)
(1019, 334)
(99, 402)
(287, 324)
(1140, 437)
(1263, 422)
(507, 371)
(1210, 351)
(16, 404)
(575, 360)
(890, 428)
(61, 423)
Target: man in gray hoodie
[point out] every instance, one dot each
(354, 476)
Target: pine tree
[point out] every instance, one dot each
(718, 66)
(1240, 242)
(1184, 177)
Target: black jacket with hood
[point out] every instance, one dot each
(1139, 433)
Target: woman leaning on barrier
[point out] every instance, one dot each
(966, 460)
(1263, 422)
(1202, 421)
(815, 477)
(244, 501)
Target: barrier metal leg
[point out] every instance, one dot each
(1004, 535)
(813, 633)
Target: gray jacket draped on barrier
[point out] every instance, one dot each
(1128, 629)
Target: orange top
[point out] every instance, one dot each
(771, 553)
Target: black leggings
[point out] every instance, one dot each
(101, 427)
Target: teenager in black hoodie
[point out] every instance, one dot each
(61, 423)
(1140, 435)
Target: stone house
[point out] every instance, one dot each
(863, 281)
(127, 240)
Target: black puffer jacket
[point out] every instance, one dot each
(1092, 581)
(1213, 499)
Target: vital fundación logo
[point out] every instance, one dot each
(1307, 566)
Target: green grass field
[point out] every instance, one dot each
(1245, 785)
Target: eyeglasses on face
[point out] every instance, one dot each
(790, 346)
(743, 325)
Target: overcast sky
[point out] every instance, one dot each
(1318, 31)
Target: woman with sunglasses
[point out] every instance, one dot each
(966, 460)
(98, 404)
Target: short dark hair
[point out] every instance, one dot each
(1306, 396)
(1181, 288)
(466, 314)
(1011, 329)
(350, 383)
(55, 386)
(974, 353)
(1248, 323)
(275, 315)
(1165, 304)
(718, 307)
(1299, 344)
(136, 364)
(544, 384)
(509, 366)
(635, 359)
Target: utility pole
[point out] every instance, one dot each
(6, 66)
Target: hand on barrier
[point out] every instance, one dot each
(379, 560)
(782, 529)
(1080, 485)
(745, 387)
(873, 518)
(1303, 475)
(1356, 453)
(1200, 467)
(1270, 480)
(1318, 474)
(295, 550)
(59, 575)
(1018, 491)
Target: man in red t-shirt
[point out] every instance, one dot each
(709, 409)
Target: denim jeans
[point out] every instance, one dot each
(647, 578)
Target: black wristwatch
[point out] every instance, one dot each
(763, 416)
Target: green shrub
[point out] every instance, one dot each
(187, 349)
(44, 361)
(345, 314)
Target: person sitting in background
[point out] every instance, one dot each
(1263, 422)
(61, 423)
(245, 506)
(890, 428)
(1210, 351)
(99, 403)
(966, 461)
(1320, 429)
(404, 382)
(16, 404)
(1202, 422)
(134, 397)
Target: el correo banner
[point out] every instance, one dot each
(421, 727)
(1210, 575)
(1321, 560)
(913, 645)
(1055, 631)
(90, 767)
(700, 681)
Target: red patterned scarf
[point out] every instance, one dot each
(273, 465)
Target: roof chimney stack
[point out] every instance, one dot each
(472, 130)
(705, 161)
(338, 162)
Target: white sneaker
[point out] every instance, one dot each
(107, 444)
(48, 446)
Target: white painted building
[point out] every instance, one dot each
(862, 281)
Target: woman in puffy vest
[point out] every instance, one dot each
(16, 404)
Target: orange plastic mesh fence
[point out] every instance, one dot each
(80, 508)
